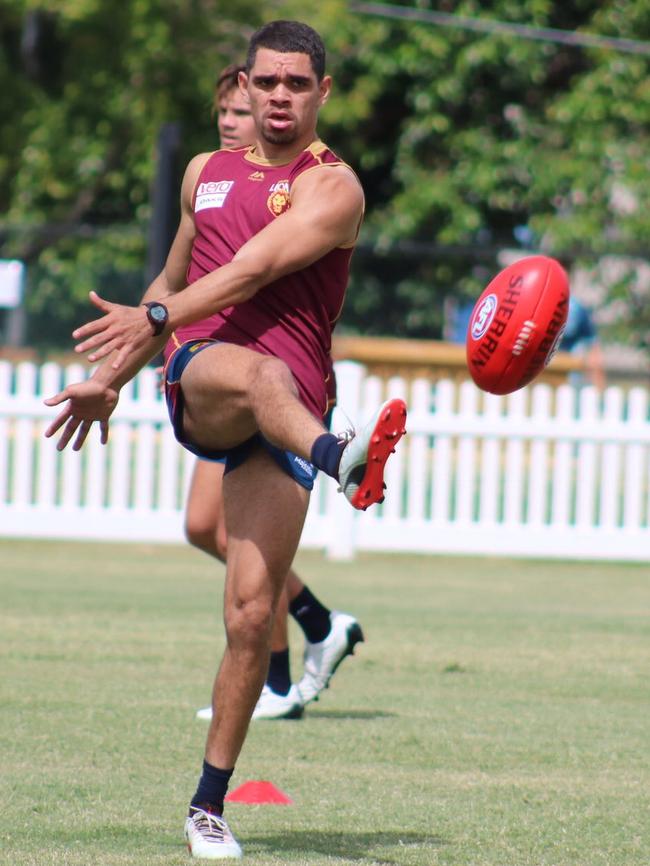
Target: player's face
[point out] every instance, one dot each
(285, 96)
(235, 121)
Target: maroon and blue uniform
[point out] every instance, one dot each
(237, 194)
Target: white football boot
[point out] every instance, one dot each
(270, 705)
(323, 658)
(361, 470)
(209, 836)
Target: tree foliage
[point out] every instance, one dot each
(465, 143)
(88, 85)
(471, 143)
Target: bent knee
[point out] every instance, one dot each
(270, 372)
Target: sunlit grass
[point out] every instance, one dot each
(497, 715)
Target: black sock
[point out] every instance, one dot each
(279, 676)
(312, 617)
(212, 788)
(326, 454)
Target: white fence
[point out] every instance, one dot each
(541, 473)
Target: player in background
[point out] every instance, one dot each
(245, 306)
(581, 338)
(329, 635)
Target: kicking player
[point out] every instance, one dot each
(245, 304)
(329, 635)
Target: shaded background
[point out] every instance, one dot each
(466, 142)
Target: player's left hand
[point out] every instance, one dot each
(87, 402)
(121, 329)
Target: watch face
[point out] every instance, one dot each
(158, 313)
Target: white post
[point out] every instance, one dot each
(562, 462)
(145, 442)
(490, 464)
(466, 465)
(610, 487)
(341, 544)
(586, 465)
(419, 468)
(514, 459)
(48, 456)
(634, 476)
(24, 436)
(539, 458)
(5, 393)
(119, 486)
(441, 481)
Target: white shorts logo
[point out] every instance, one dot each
(212, 194)
(304, 465)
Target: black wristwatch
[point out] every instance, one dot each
(158, 315)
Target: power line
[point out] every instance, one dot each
(484, 25)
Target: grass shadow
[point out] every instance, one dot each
(352, 847)
(363, 715)
(150, 841)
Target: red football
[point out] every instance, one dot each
(517, 324)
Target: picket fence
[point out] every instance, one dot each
(541, 473)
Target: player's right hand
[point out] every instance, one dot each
(87, 402)
(121, 329)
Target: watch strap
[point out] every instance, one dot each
(158, 324)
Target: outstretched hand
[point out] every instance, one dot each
(88, 402)
(121, 329)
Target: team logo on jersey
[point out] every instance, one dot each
(212, 194)
(278, 200)
(256, 175)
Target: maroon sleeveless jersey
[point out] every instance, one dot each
(236, 196)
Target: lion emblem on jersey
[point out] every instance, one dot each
(278, 200)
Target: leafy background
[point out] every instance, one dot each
(466, 143)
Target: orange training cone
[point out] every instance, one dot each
(258, 793)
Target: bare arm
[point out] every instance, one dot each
(96, 399)
(173, 276)
(326, 211)
(169, 281)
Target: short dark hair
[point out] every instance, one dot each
(289, 37)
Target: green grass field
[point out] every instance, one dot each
(497, 715)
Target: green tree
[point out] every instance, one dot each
(483, 135)
(465, 143)
(86, 86)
